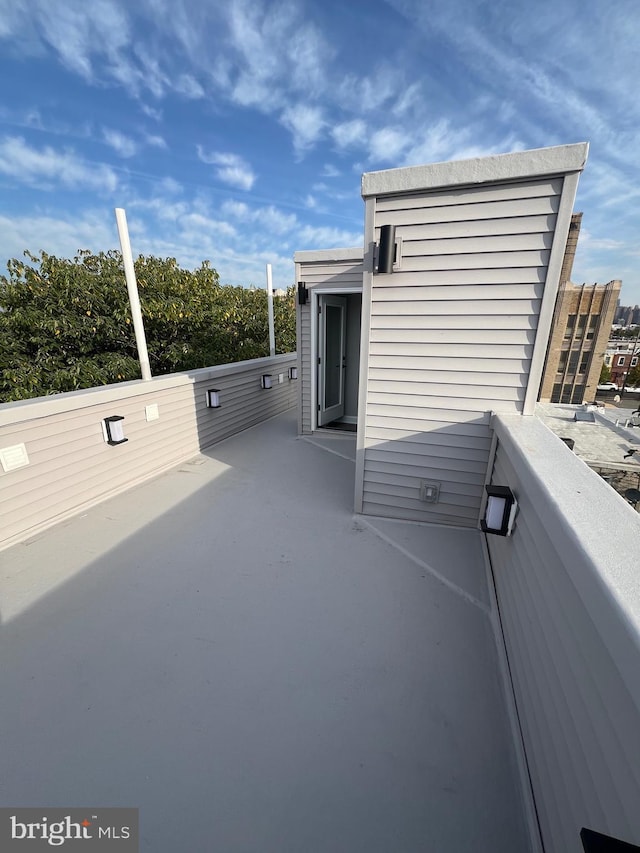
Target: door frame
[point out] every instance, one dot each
(315, 302)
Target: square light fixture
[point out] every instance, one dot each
(213, 398)
(113, 430)
(293, 373)
(267, 381)
(303, 293)
(500, 511)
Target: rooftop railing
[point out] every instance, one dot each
(56, 460)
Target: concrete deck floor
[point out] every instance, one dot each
(229, 649)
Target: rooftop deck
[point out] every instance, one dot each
(228, 648)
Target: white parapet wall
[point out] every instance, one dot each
(568, 590)
(59, 463)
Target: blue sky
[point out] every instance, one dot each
(237, 131)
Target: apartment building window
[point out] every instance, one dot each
(621, 359)
(582, 322)
(634, 361)
(584, 363)
(593, 322)
(573, 361)
(562, 361)
(571, 324)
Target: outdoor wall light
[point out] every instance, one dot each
(500, 511)
(267, 381)
(213, 398)
(303, 293)
(113, 430)
(387, 249)
(293, 373)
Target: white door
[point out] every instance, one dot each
(332, 336)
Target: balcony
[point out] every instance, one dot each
(209, 634)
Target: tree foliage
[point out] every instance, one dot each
(605, 374)
(66, 324)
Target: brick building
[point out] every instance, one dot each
(580, 332)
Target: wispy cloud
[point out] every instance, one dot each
(232, 169)
(121, 144)
(350, 133)
(306, 124)
(47, 168)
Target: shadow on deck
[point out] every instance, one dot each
(228, 648)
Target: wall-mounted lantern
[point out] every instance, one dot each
(293, 373)
(113, 430)
(266, 381)
(213, 398)
(500, 511)
(303, 293)
(386, 249)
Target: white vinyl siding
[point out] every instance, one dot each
(71, 466)
(572, 640)
(452, 336)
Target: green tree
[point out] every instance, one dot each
(633, 377)
(605, 374)
(66, 324)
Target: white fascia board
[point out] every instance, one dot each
(319, 255)
(520, 165)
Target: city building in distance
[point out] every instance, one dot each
(580, 332)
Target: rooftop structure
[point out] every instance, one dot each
(210, 631)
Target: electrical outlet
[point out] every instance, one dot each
(429, 492)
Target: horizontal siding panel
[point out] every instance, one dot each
(478, 228)
(459, 493)
(495, 337)
(471, 195)
(514, 277)
(445, 391)
(419, 510)
(431, 442)
(373, 509)
(476, 261)
(531, 242)
(476, 404)
(544, 205)
(459, 379)
(452, 321)
(430, 414)
(399, 349)
(486, 365)
(388, 461)
(448, 301)
(422, 422)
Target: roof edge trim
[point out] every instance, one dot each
(559, 159)
(312, 255)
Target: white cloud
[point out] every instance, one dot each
(387, 144)
(327, 237)
(56, 235)
(305, 124)
(232, 169)
(349, 133)
(47, 168)
(156, 141)
(330, 171)
(121, 144)
(188, 86)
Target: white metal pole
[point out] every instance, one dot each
(272, 331)
(132, 287)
